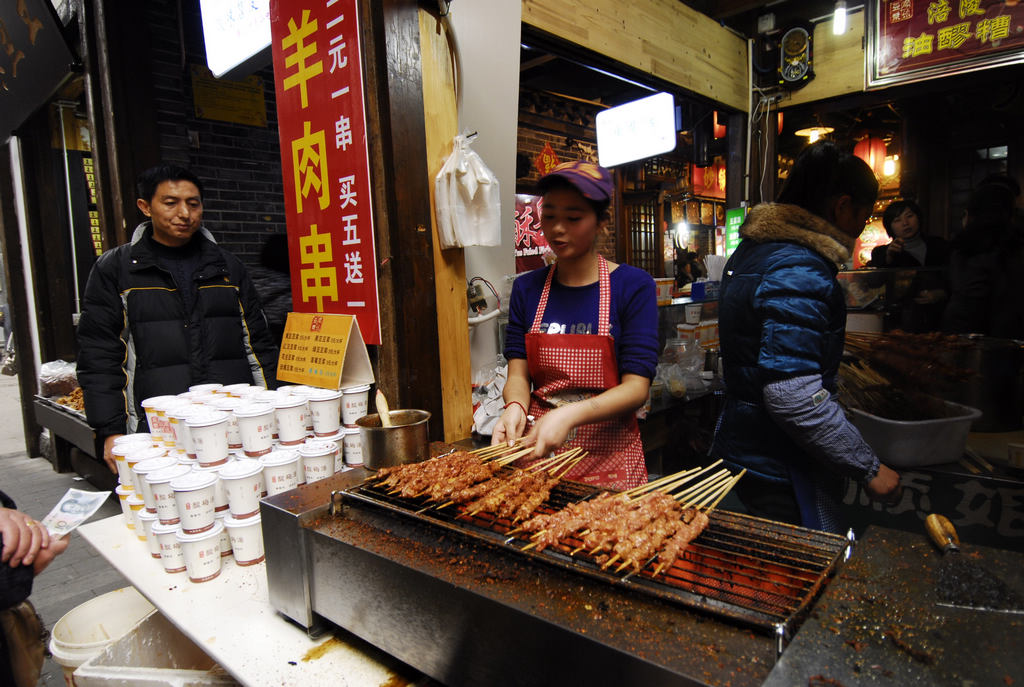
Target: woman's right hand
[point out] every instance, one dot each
(894, 248)
(510, 425)
(885, 486)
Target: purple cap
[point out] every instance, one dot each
(593, 181)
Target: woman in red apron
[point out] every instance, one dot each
(582, 339)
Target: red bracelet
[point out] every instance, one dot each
(515, 403)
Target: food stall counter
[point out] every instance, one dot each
(231, 619)
(880, 621)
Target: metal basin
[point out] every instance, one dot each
(405, 441)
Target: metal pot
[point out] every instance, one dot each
(405, 441)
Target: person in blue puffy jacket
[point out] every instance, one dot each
(782, 322)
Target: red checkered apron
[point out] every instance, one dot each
(585, 365)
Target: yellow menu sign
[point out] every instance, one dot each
(323, 350)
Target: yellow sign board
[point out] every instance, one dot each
(323, 350)
(240, 102)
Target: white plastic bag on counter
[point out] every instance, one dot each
(467, 200)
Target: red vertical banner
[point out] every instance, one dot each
(318, 76)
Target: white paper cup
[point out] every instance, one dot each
(202, 552)
(325, 407)
(256, 425)
(338, 440)
(160, 485)
(120, 451)
(123, 491)
(135, 438)
(353, 443)
(290, 415)
(149, 406)
(209, 431)
(281, 470)
(304, 392)
(318, 458)
(236, 390)
(354, 403)
(143, 468)
(229, 404)
(220, 496)
(194, 497)
(246, 539)
(241, 479)
(134, 454)
(164, 410)
(209, 387)
(177, 416)
(148, 520)
(135, 506)
(170, 550)
(225, 539)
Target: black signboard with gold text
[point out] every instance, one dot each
(913, 40)
(34, 60)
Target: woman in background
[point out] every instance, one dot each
(782, 322)
(925, 299)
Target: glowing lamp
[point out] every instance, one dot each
(872, 151)
(719, 129)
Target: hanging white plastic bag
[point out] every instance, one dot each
(467, 199)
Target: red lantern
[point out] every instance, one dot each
(872, 151)
(719, 129)
(780, 121)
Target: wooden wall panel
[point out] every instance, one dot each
(838, 63)
(662, 37)
(441, 119)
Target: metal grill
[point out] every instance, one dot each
(758, 572)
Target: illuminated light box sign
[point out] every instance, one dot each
(636, 130)
(323, 350)
(237, 35)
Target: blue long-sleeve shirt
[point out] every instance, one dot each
(573, 310)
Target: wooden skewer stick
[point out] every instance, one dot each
(732, 483)
(718, 493)
(700, 486)
(690, 497)
(690, 477)
(610, 562)
(528, 546)
(657, 571)
(624, 566)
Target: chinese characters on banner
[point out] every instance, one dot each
(324, 159)
(923, 38)
(530, 245)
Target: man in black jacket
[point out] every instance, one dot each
(166, 311)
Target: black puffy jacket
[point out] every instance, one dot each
(136, 341)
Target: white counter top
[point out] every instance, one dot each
(231, 618)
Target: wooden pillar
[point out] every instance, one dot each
(17, 302)
(418, 305)
(441, 117)
(735, 158)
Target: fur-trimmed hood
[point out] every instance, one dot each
(780, 222)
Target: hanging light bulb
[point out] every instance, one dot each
(839, 18)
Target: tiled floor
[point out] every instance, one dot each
(78, 574)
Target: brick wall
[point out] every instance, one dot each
(240, 165)
(582, 145)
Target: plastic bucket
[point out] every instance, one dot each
(87, 629)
